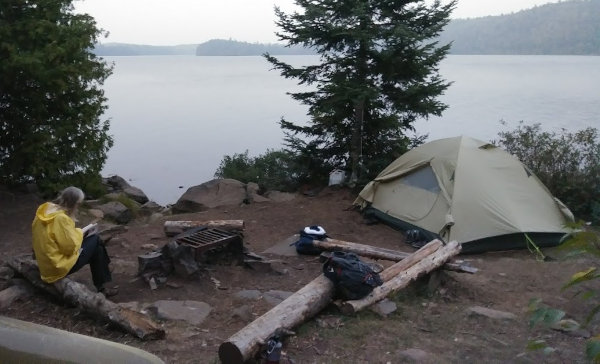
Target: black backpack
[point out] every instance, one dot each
(352, 278)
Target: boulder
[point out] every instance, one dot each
(252, 191)
(215, 193)
(252, 188)
(150, 208)
(116, 211)
(118, 184)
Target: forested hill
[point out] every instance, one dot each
(214, 47)
(570, 27)
(124, 49)
(221, 47)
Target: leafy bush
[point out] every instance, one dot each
(273, 170)
(567, 163)
(582, 241)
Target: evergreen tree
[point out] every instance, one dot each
(378, 73)
(51, 99)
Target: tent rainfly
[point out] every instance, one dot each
(466, 190)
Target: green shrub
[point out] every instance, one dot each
(568, 163)
(273, 170)
(583, 241)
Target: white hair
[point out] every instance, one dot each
(69, 198)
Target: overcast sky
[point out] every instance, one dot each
(171, 22)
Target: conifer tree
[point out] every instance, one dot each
(377, 73)
(51, 99)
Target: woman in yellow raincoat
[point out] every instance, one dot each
(61, 248)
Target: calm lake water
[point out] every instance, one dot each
(173, 118)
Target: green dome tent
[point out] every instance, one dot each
(466, 190)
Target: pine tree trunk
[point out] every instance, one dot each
(356, 142)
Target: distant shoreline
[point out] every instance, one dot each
(528, 32)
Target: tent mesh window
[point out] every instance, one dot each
(423, 178)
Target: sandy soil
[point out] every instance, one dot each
(436, 322)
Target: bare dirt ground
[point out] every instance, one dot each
(438, 322)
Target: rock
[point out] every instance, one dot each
(277, 196)
(414, 355)
(275, 297)
(135, 194)
(155, 217)
(117, 212)
(253, 195)
(96, 214)
(489, 313)
(6, 275)
(243, 313)
(108, 232)
(384, 307)
(118, 184)
(248, 294)
(252, 188)
(19, 290)
(215, 193)
(192, 312)
(150, 208)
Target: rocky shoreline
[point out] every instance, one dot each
(125, 202)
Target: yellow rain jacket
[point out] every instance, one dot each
(56, 242)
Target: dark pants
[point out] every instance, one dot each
(94, 253)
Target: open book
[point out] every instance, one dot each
(90, 229)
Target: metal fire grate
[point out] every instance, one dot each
(207, 241)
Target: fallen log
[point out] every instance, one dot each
(401, 280)
(411, 260)
(175, 227)
(297, 308)
(382, 253)
(94, 303)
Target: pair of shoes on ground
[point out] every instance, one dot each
(109, 291)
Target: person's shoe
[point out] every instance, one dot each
(109, 291)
